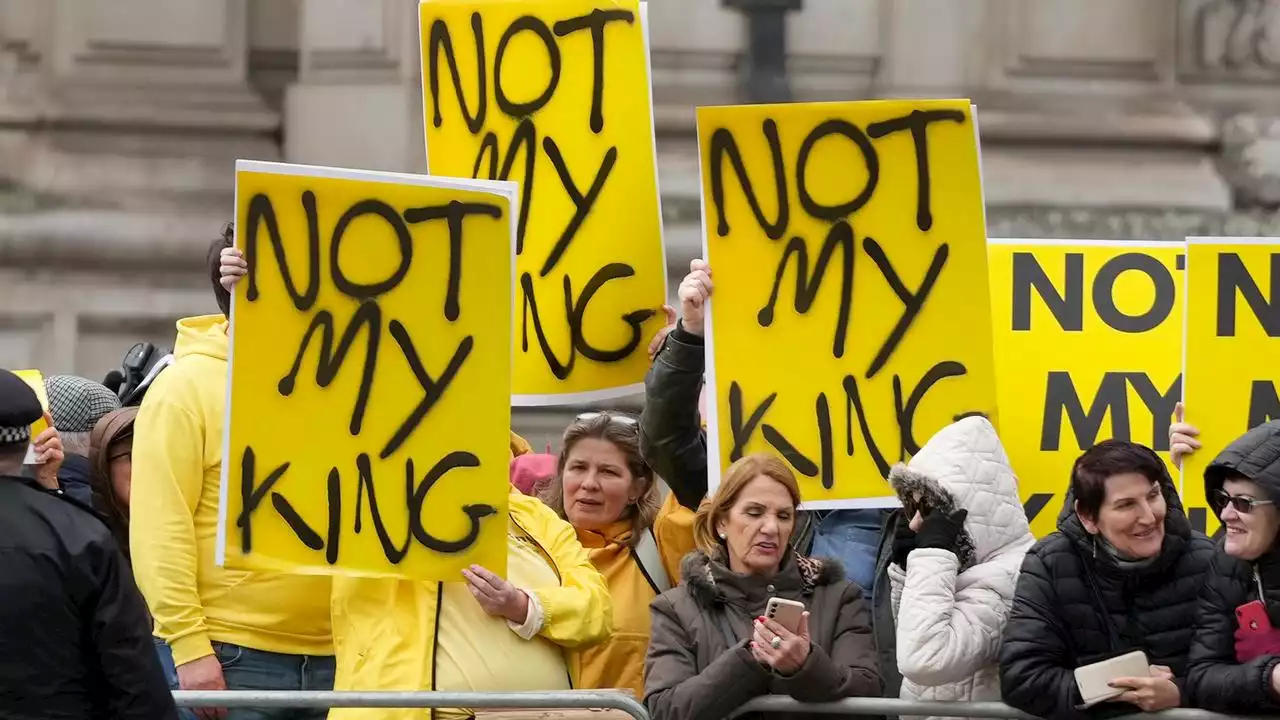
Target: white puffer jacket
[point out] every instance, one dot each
(951, 607)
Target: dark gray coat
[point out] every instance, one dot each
(693, 672)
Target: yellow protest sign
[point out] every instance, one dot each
(35, 380)
(850, 319)
(368, 411)
(1232, 363)
(1088, 340)
(555, 94)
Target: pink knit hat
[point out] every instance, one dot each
(530, 469)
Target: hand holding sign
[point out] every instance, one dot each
(232, 268)
(47, 448)
(497, 596)
(1182, 437)
(694, 292)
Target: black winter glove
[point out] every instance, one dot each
(904, 541)
(941, 531)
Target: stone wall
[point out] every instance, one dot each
(120, 121)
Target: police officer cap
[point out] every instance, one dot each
(19, 408)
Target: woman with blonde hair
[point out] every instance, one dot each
(634, 536)
(712, 649)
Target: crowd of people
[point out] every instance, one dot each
(624, 572)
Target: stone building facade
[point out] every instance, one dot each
(120, 121)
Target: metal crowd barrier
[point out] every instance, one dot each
(334, 699)
(921, 708)
(594, 699)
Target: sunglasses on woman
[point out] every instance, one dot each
(620, 419)
(1242, 504)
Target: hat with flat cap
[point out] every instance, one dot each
(19, 408)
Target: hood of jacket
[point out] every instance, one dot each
(712, 583)
(1255, 456)
(1177, 529)
(202, 335)
(965, 466)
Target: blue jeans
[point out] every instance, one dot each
(165, 654)
(248, 669)
(853, 538)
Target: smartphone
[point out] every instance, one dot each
(1252, 617)
(1093, 679)
(784, 612)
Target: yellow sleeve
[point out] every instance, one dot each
(579, 612)
(673, 531)
(168, 477)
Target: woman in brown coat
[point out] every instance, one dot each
(711, 650)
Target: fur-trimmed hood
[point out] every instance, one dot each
(711, 582)
(965, 466)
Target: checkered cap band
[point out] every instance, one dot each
(77, 404)
(11, 435)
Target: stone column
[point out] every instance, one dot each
(120, 123)
(133, 102)
(358, 99)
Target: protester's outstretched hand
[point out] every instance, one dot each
(233, 267)
(1182, 437)
(47, 447)
(656, 343)
(694, 292)
(791, 650)
(203, 674)
(497, 596)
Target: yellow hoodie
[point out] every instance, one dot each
(177, 468)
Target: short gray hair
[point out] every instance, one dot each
(75, 443)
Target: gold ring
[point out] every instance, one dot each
(776, 642)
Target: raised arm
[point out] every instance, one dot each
(945, 635)
(671, 436)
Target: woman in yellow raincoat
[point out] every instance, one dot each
(482, 635)
(634, 536)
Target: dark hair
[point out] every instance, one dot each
(1107, 459)
(214, 262)
(13, 452)
(623, 432)
(112, 437)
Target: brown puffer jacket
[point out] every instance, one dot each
(693, 672)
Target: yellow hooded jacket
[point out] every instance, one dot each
(384, 629)
(619, 663)
(177, 469)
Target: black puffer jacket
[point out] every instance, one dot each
(1215, 680)
(1058, 621)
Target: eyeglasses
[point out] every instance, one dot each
(621, 419)
(1241, 504)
